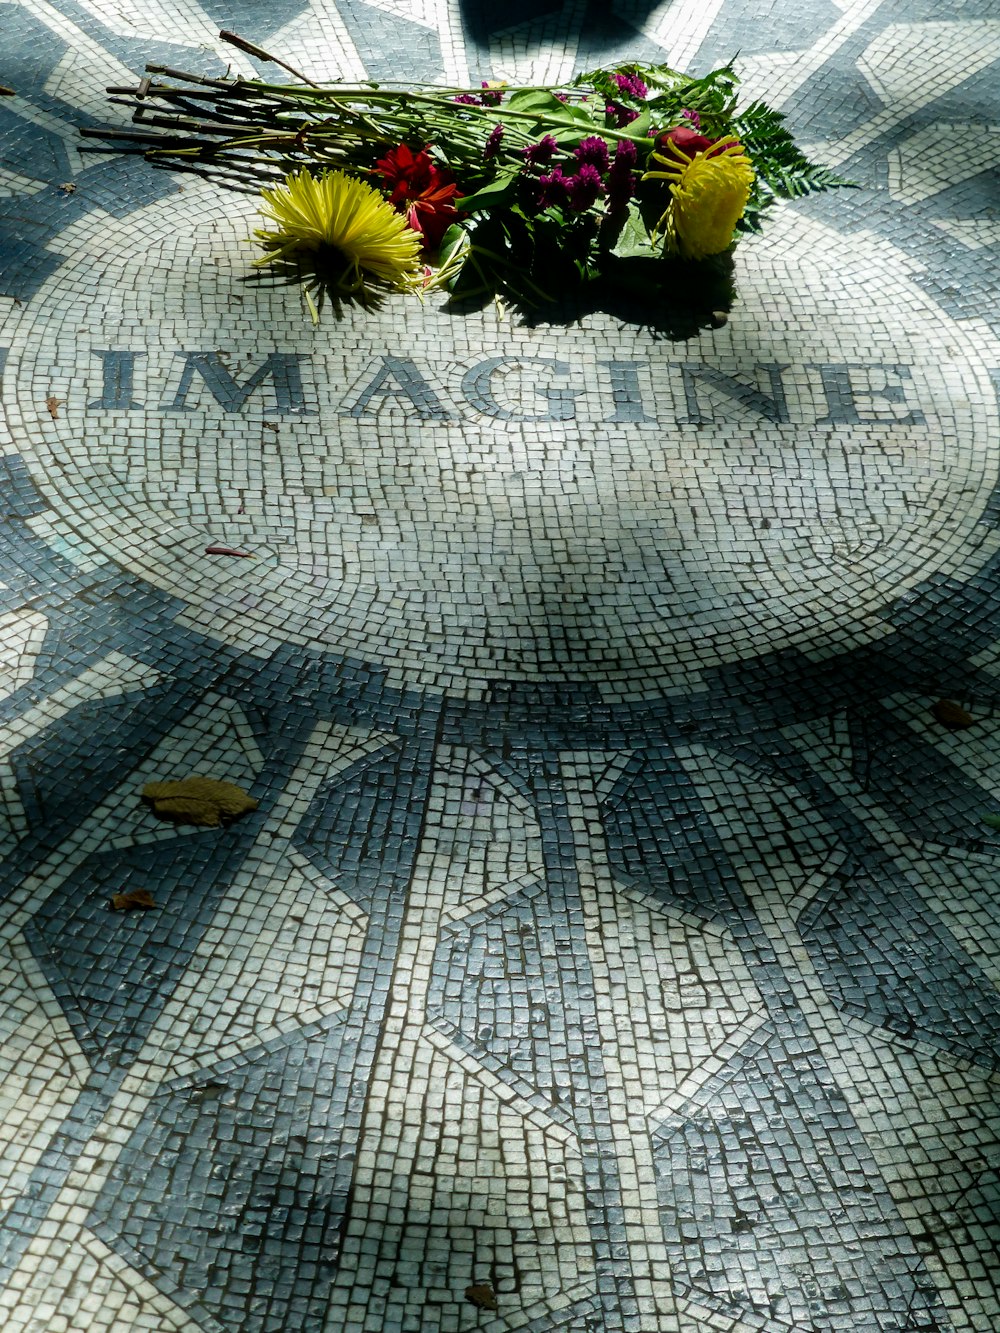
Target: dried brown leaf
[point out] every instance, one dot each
(53, 404)
(482, 1295)
(207, 802)
(952, 715)
(228, 550)
(135, 898)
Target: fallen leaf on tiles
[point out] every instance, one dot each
(482, 1295)
(228, 550)
(952, 715)
(196, 800)
(68, 187)
(6, 92)
(127, 902)
(992, 820)
(53, 404)
(205, 1091)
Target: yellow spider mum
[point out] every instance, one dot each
(342, 229)
(709, 192)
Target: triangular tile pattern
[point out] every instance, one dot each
(783, 31)
(922, 165)
(84, 1288)
(504, 989)
(214, 740)
(882, 953)
(970, 751)
(490, 840)
(276, 15)
(41, 1066)
(610, 37)
(934, 1137)
(280, 954)
(486, 1195)
(773, 1208)
(661, 841)
(249, 1214)
(911, 64)
(884, 956)
(113, 971)
(677, 992)
(927, 793)
(392, 47)
(349, 831)
(22, 634)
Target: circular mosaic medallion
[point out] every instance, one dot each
(462, 499)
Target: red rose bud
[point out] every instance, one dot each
(684, 140)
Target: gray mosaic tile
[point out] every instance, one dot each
(773, 1207)
(502, 983)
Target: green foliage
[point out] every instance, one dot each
(782, 170)
(502, 243)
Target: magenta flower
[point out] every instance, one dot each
(620, 115)
(585, 188)
(540, 154)
(631, 83)
(621, 177)
(592, 151)
(492, 146)
(553, 189)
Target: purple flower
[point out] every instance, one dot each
(620, 115)
(561, 97)
(693, 117)
(552, 189)
(492, 96)
(492, 146)
(626, 155)
(540, 154)
(631, 83)
(467, 99)
(593, 151)
(585, 188)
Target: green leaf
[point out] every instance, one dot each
(454, 238)
(641, 124)
(532, 99)
(496, 194)
(992, 820)
(633, 238)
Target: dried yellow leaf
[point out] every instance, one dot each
(207, 802)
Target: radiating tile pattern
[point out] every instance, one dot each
(618, 928)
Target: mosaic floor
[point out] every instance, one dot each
(619, 926)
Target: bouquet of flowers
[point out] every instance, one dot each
(634, 178)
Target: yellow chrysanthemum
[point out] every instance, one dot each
(709, 191)
(341, 228)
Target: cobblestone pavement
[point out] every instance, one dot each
(619, 925)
